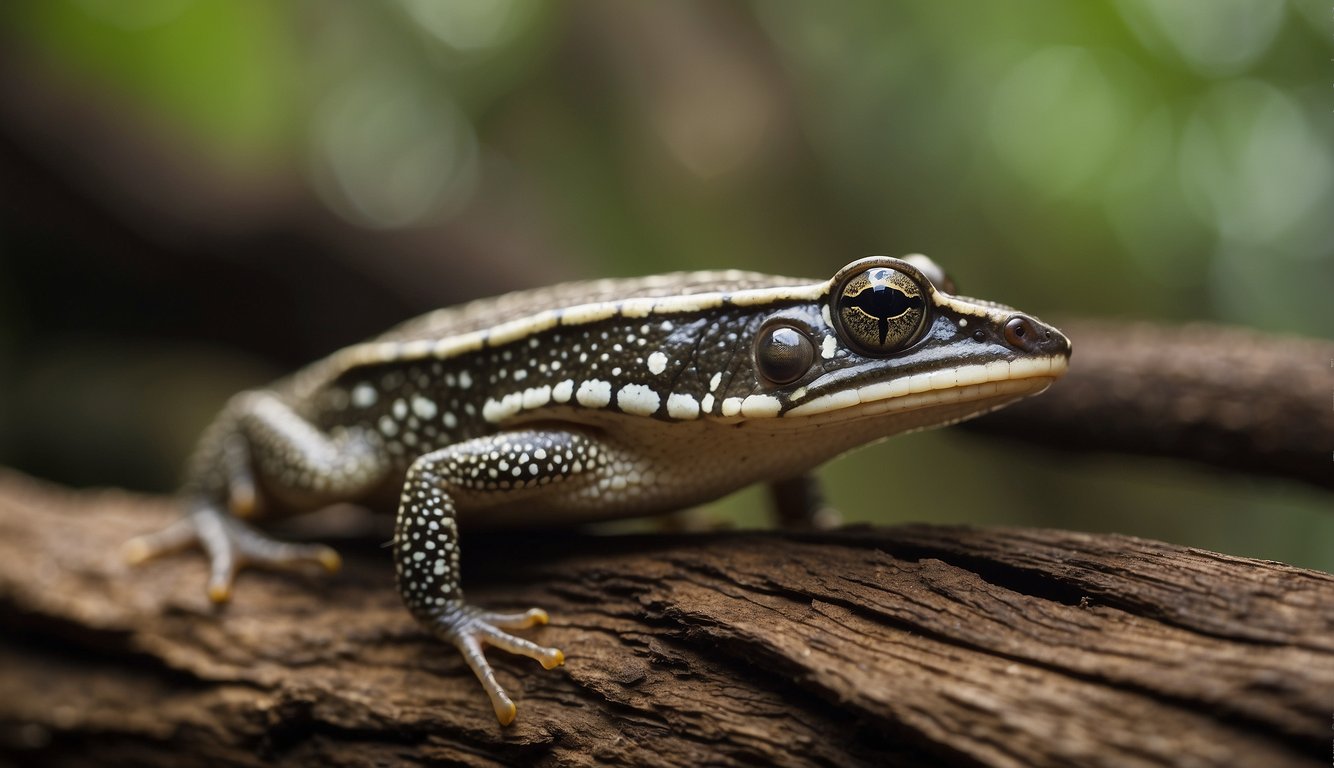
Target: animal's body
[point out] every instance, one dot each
(595, 400)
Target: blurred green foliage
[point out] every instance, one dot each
(1163, 159)
(226, 71)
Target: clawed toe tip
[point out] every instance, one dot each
(330, 560)
(244, 507)
(136, 552)
(219, 593)
(556, 658)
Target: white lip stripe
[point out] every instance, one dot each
(979, 379)
(1010, 387)
(970, 374)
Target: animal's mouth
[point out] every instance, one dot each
(966, 389)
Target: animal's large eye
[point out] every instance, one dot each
(879, 311)
(783, 354)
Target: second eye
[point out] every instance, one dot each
(783, 354)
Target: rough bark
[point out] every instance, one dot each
(909, 645)
(1232, 397)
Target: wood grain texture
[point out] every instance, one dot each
(899, 646)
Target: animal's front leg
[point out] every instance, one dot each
(485, 471)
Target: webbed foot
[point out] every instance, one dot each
(470, 628)
(229, 544)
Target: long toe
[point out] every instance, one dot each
(175, 537)
(523, 620)
(470, 629)
(230, 546)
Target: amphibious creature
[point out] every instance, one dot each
(596, 400)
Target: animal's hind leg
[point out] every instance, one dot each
(259, 435)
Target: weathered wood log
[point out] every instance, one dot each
(909, 645)
(1230, 397)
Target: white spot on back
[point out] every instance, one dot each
(714, 382)
(638, 399)
(657, 363)
(364, 395)
(499, 410)
(594, 393)
(536, 397)
(682, 406)
(423, 407)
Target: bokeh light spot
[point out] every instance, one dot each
(388, 154)
(1143, 205)
(464, 25)
(1213, 37)
(1250, 164)
(1057, 119)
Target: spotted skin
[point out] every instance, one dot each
(582, 402)
(426, 553)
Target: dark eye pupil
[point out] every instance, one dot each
(784, 354)
(884, 303)
(880, 311)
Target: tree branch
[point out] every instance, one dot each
(1228, 397)
(949, 646)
